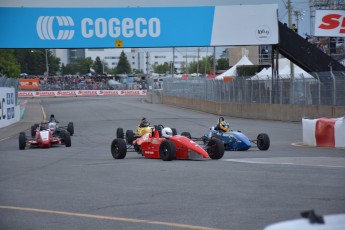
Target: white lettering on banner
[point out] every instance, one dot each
(114, 27)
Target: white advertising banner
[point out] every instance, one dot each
(239, 25)
(77, 93)
(9, 111)
(330, 23)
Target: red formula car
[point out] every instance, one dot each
(43, 138)
(162, 144)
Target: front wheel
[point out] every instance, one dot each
(263, 141)
(22, 141)
(215, 148)
(118, 148)
(167, 150)
(70, 128)
(67, 139)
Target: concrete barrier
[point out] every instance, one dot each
(279, 112)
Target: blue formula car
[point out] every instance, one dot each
(234, 140)
(237, 141)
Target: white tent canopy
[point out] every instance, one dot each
(232, 72)
(284, 72)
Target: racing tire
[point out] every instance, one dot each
(186, 134)
(118, 148)
(167, 150)
(70, 128)
(263, 141)
(22, 140)
(130, 136)
(174, 131)
(215, 149)
(119, 133)
(33, 130)
(67, 139)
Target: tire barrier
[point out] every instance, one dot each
(324, 132)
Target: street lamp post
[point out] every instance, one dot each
(46, 56)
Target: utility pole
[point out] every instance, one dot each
(292, 71)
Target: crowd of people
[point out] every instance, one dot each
(69, 82)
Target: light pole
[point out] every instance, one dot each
(46, 56)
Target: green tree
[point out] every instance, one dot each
(33, 62)
(205, 65)
(78, 66)
(123, 67)
(98, 66)
(222, 64)
(9, 66)
(162, 69)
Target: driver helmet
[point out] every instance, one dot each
(145, 123)
(224, 126)
(51, 125)
(167, 132)
(52, 117)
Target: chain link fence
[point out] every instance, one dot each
(9, 83)
(302, 90)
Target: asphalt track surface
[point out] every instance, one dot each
(83, 187)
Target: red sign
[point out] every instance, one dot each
(330, 23)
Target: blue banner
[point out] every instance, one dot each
(105, 27)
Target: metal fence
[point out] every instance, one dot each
(302, 90)
(9, 83)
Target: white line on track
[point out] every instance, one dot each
(328, 162)
(175, 225)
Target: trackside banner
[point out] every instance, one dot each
(77, 93)
(330, 23)
(138, 27)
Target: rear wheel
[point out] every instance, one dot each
(186, 134)
(67, 139)
(22, 140)
(263, 141)
(129, 137)
(70, 128)
(120, 133)
(215, 149)
(167, 150)
(118, 148)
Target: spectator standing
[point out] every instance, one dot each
(294, 28)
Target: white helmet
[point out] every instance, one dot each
(167, 132)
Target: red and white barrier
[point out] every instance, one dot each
(77, 93)
(324, 132)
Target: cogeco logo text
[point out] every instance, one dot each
(97, 28)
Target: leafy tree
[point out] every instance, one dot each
(205, 65)
(33, 62)
(222, 64)
(98, 66)
(123, 66)
(162, 69)
(78, 66)
(9, 66)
